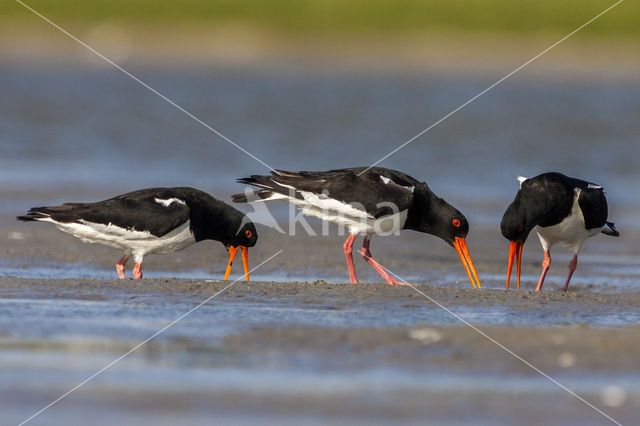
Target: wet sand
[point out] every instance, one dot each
(606, 264)
(340, 295)
(291, 352)
(309, 348)
(298, 345)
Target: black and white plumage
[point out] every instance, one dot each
(155, 220)
(562, 210)
(367, 201)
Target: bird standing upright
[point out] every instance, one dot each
(155, 220)
(367, 201)
(561, 209)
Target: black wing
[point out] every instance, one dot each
(371, 188)
(137, 210)
(593, 204)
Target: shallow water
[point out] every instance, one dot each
(96, 128)
(83, 134)
(62, 339)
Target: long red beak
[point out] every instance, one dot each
(245, 260)
(461, 246)
(515, 251)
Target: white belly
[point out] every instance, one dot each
(571, 231)
(356, 220)
(138, 243)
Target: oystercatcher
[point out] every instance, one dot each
(561, 209)
(155, 220)
(367, 201)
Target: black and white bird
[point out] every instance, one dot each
(155, 220)
(367, 201)
(562, 210)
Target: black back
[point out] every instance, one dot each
(365, 187)
(593, 204)
(547, 199)
(139, 210)
(347, 185)
(433, 215)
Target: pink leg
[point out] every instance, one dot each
(546, 264)
(120, 266)
(572, 267)
(366, 254)
(348, 250)
(137, 271)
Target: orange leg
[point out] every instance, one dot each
(137, 271)
(120, 266)
(366, 254)
(572, 267)
(546, 264)
(348, 250)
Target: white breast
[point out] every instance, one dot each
(138, 243)
(571, 231)
(357, 220)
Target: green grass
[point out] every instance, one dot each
(350, 16)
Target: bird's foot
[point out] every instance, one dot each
(120, 266)
(572, 267)
(348, 252)
(546, 264)
(120, 270)
(393, 281)
(137, 271)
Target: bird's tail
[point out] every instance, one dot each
(253, 195)
(270, 190)
(239, 198)
(33, 214)
(610, 229)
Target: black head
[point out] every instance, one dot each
(543, 200)
(529, 208)
(433, 215)
(516, 224)
(246, 236)
(451, 226)
(212, 219)
(517, 221)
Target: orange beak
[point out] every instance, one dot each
(515, 251)
(245, 260)
(461, 246)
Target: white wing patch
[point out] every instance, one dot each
(593, 186)
(139, 243)
(388, 181)
(328, 204)
(521, 179)
(168, 201)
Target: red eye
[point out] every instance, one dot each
(456, 222)
(248, 233)
(520, 228)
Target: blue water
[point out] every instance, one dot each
(82, 134)
(98, 128)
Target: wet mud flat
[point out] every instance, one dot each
(314, 352)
